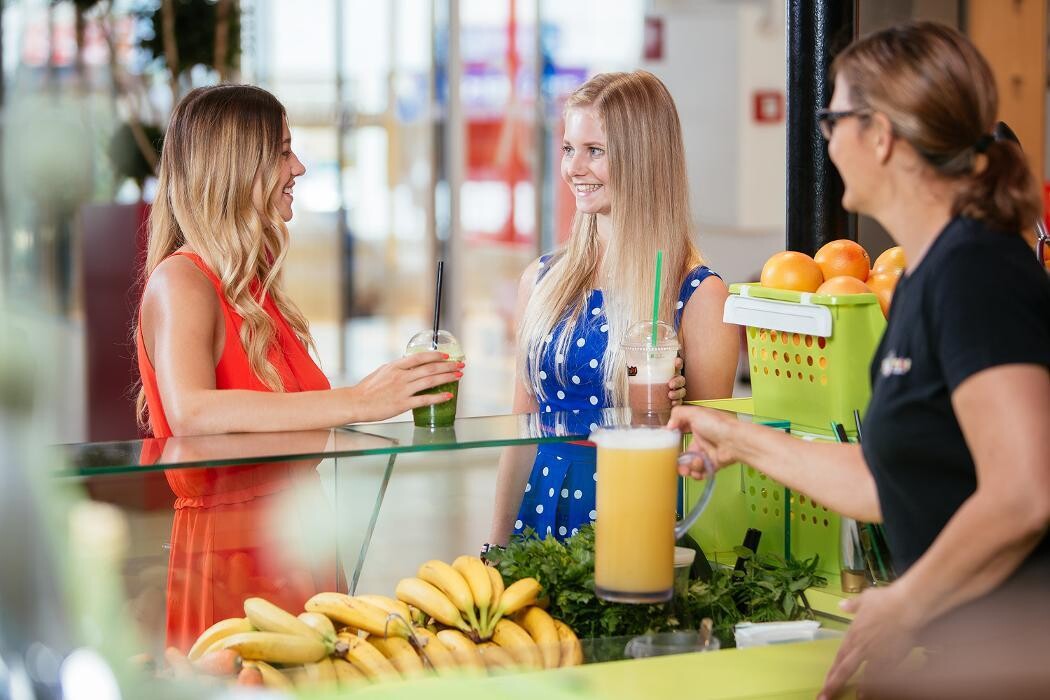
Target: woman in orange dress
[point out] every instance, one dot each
(222, 349)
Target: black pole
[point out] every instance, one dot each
(816, 31)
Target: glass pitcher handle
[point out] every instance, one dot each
(683, 525)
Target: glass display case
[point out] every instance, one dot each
(217, 519)
(214, 520)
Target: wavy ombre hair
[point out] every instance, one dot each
(650, 212)
(224, 144)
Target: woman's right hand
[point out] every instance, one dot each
(711, 431)
(392, 389)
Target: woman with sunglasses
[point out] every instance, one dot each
(954, 460)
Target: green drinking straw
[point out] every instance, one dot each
(656, 293)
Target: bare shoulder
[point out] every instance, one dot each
(529, 277)
(531, 272)
(709, 297)
(178, 287)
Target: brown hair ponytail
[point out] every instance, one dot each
(939, 94)
(1002, 192)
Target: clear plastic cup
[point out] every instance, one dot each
(683, 562)
(650, 367)
(664, 643)
(440, 415)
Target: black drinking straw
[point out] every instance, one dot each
(437, 304)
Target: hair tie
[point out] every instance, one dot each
(983, 143)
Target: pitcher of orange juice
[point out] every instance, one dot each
(635, 500)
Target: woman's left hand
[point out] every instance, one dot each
(882, 633)
(676, 387)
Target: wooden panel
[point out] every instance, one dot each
(1012, 36)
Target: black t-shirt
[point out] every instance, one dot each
(977, 300)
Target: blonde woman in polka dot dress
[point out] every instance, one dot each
(623, 160)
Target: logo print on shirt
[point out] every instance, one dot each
(895, 366)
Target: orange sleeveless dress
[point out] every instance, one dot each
(224, 546)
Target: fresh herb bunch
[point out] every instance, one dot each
(766, 590)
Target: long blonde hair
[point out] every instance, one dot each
(221, 141)
(650, 211)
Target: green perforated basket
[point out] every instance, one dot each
(792, 525)
(809, 353)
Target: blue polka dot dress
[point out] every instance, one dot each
(559, 496)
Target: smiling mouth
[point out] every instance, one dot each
(586, 189)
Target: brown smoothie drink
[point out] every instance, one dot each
(650, 367)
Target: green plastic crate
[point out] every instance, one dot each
(792, 524)
(809, 353)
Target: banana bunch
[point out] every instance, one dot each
(473, 611)
(449, 618)
(467, 595)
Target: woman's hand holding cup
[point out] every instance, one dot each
(392, 389)
(676, 387)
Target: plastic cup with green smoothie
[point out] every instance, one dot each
(443, 414)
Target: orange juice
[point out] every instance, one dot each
(635, 502)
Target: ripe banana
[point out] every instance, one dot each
(540, 626)
(473, 570)
(355, 613)
(463, 649)
(571, 649)
(400, 653)
(437, 654)
(321, 624)
(495, 656)
(497, 585)
(272, 678)
(276, 647)
(367, 659)
(220, 630)
(452, 583)
(388, 605)
(347, 675)
(267, 617)
(518, 643)
(429, 599)
(320, 674)
(517, 595)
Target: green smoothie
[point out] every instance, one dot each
(440, 415)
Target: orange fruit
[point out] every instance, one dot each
(883, 284)
(843, 257)
(843, 284)
(891, 259)
(792, 270)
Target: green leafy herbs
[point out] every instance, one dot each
(767, 589)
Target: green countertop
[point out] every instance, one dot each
(778, 671)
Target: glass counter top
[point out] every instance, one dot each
(389, 438)
(89, 459)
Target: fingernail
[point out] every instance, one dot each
(461, 365)
(458, 374)
(444, 355)
(448, 395)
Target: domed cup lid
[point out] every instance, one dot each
(423, 341)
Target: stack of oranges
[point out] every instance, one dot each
(840, 267)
